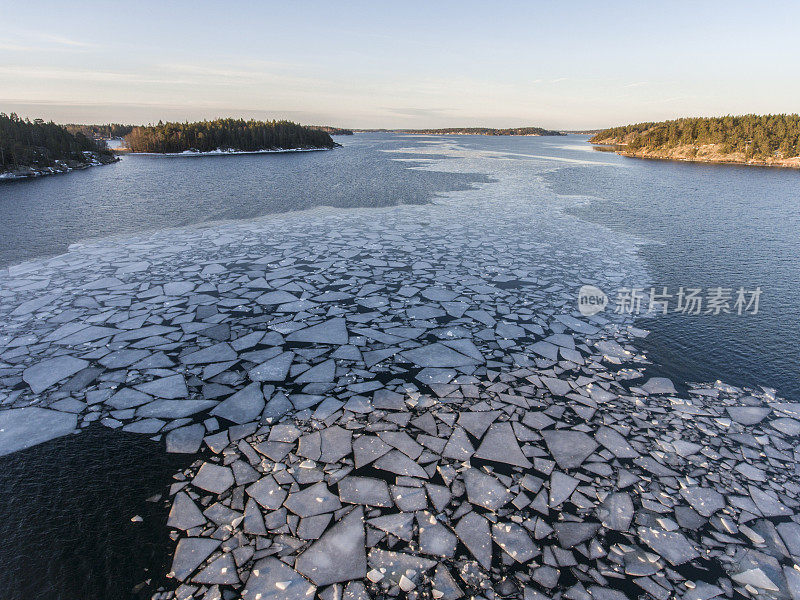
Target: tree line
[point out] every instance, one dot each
(756, 136)
(111, 130)
(38, 144)
(235, 134)
(332, 130)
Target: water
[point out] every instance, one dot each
(694, 225)
(66, 513)
(698, 226)
(140, 193)
(702, 225)
(708, 226)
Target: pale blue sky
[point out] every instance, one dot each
(399, 64)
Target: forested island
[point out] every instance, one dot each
(226, 136)
(471, 131)
(36, 148)
(772, 140)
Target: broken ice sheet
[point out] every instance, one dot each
(569, 448)
(22, 428)
(473, 531)
(339, 555)
(313, 500)
(500, 445)
(515, 541)
(271, 579)
(243, 406)
(48, 372)
(186, 440)
(616, 511)
(274, 369)
(190, 553)
(484, 490)
(364, 490)
(437, 378)
(672, 545)
(213, 478)
(333, 331)
(434, 537)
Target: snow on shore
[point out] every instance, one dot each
(228, 151)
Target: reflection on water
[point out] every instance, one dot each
(607, 147)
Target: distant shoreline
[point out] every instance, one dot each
(486, 131)
(698, 154)
(481, 134)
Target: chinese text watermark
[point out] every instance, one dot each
(662, 301)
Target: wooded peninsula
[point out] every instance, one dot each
(771, 140)
(34, 148)
(235, 135)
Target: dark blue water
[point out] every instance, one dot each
(709, 226)
(66, 508)
(42, 217)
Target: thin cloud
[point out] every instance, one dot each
(83, 75)
(32, 41)
(417, 112)
(65, 41)
(18, 48)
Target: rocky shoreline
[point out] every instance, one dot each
(229, 151)
(702, 154)
(92, 159)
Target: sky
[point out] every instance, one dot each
(561, 65)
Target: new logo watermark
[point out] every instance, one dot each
(591, 300)
(660, 301)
